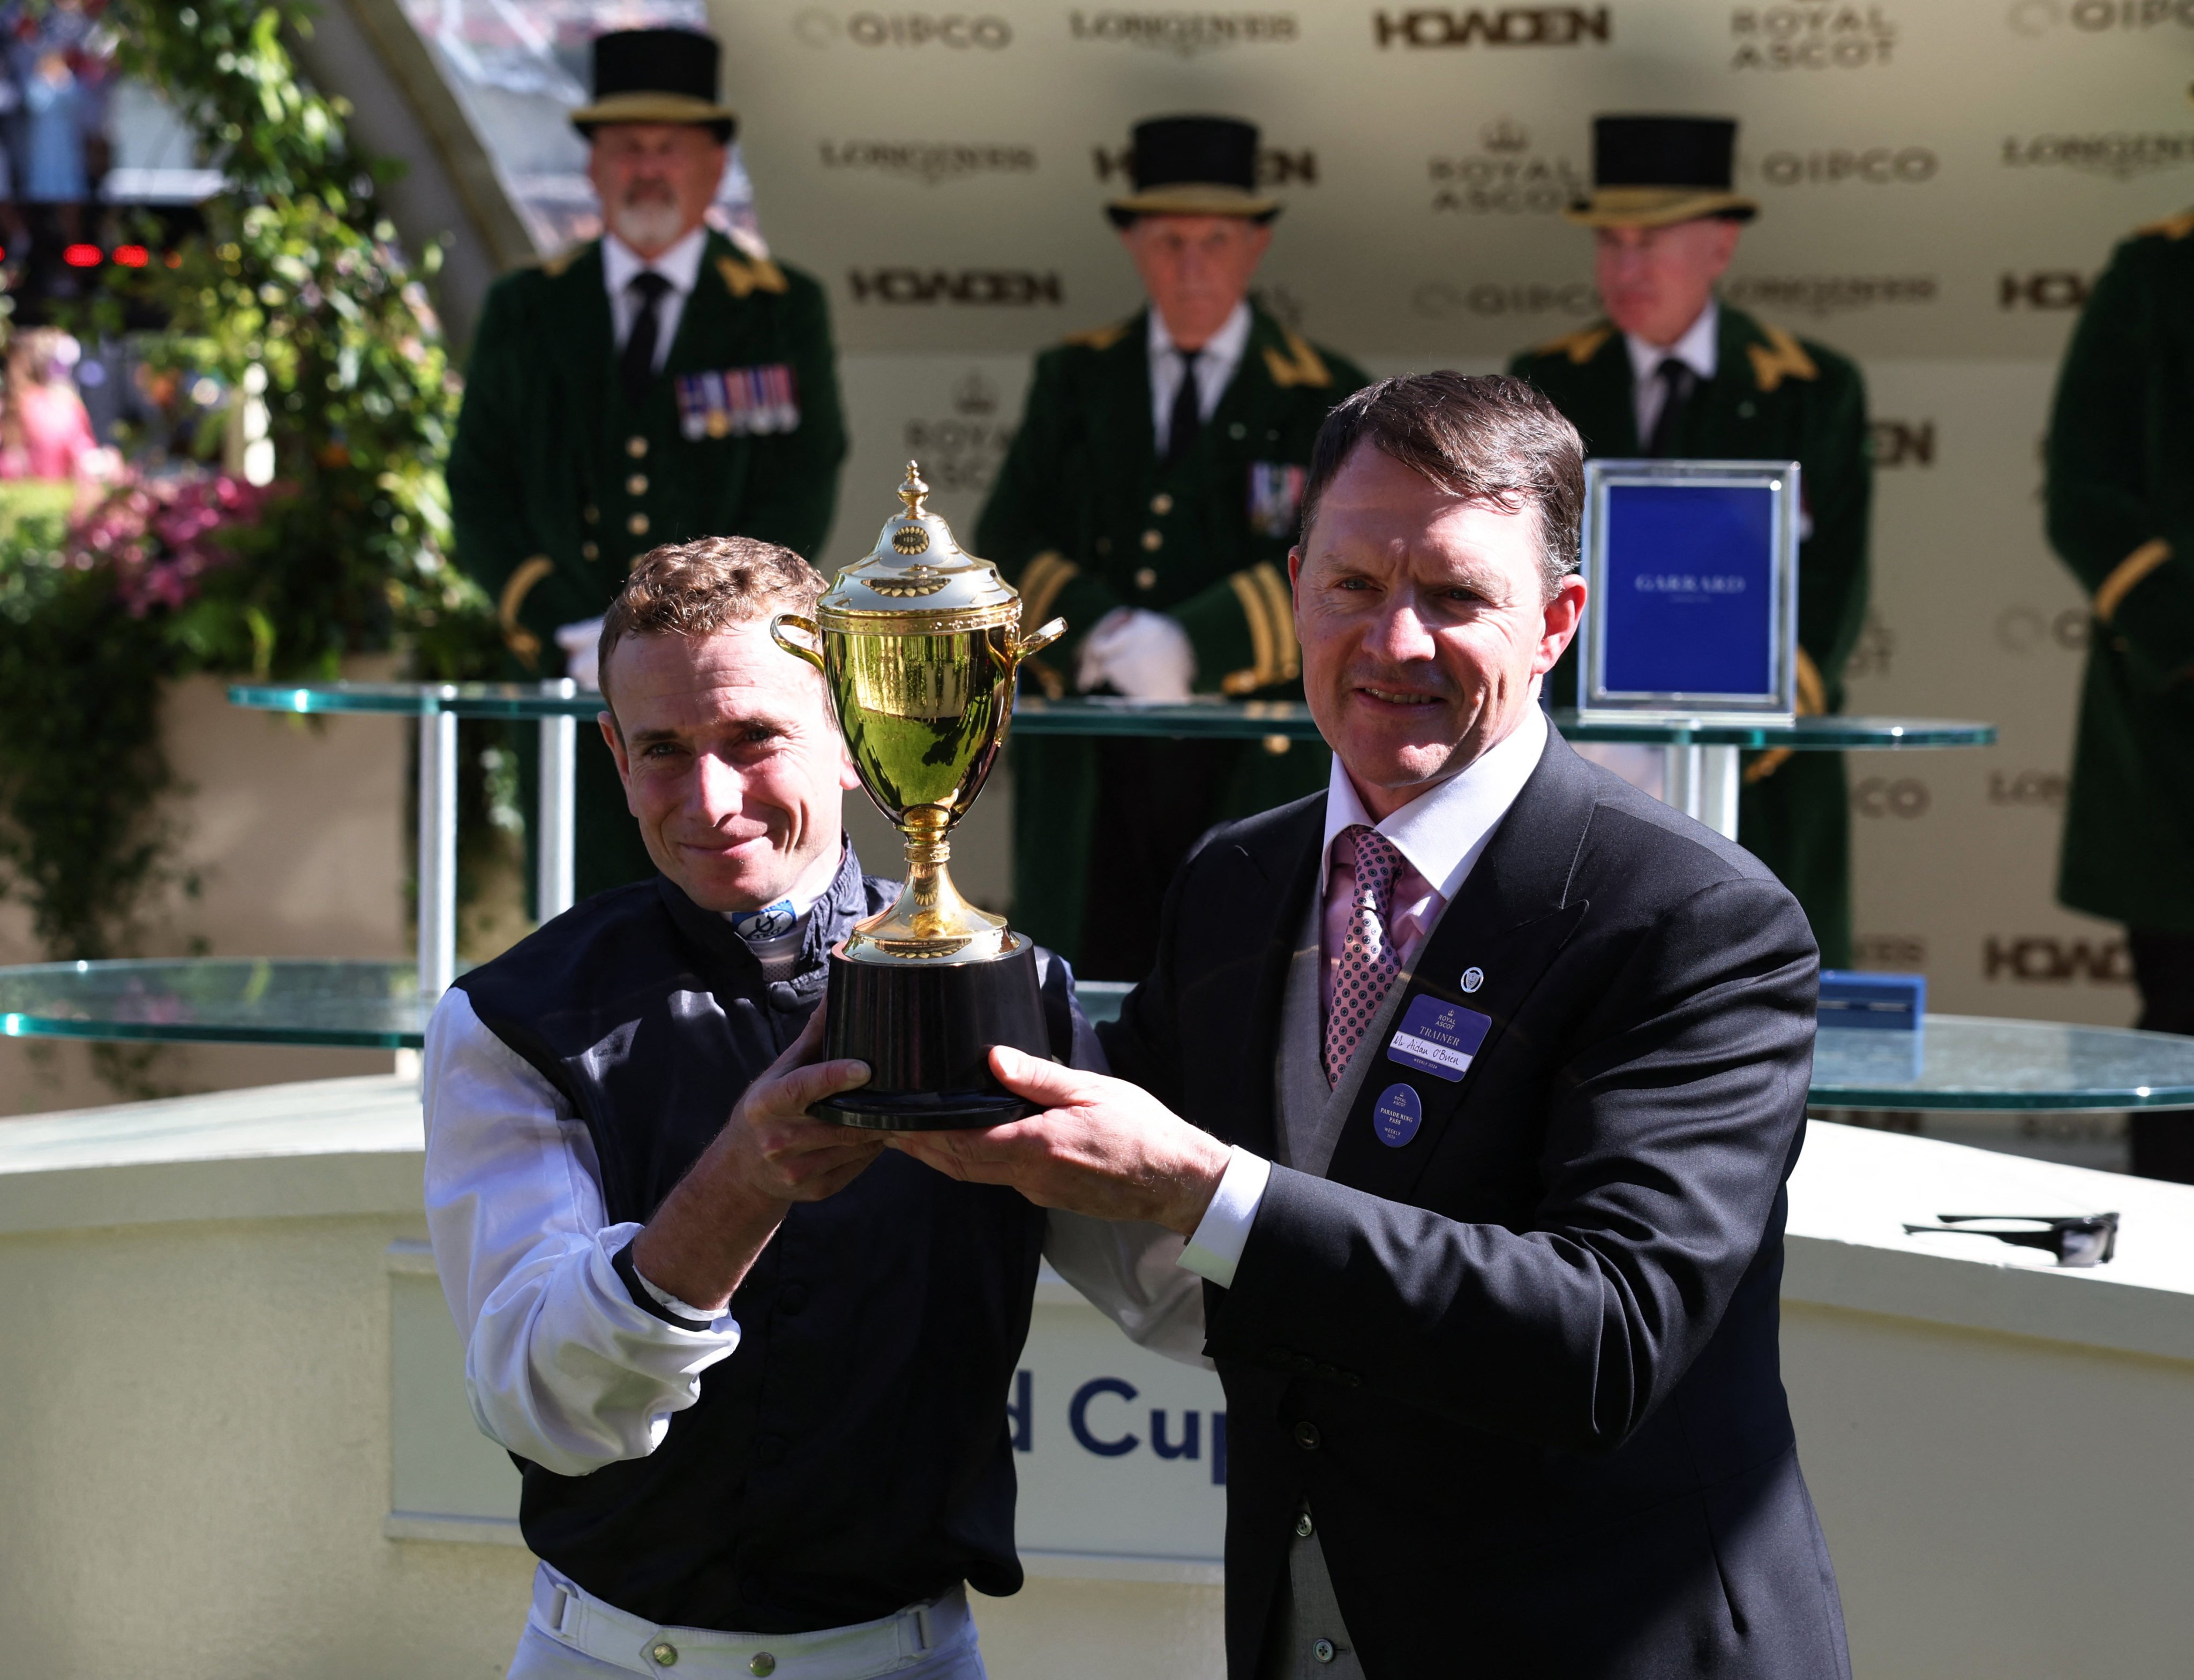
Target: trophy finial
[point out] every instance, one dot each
(912, 491)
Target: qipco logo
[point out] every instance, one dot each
(964, 31)
(1884, 796)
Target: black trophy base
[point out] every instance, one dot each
(926, 1034)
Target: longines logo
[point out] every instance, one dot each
(1010, 287)
(928, 161)
(1439, 301)
(2038, 957)
(1903, 443)
(2120, 157)
(1504, 176)
(964, 449)
(1493, 27)
(1828, 294)
(1874, 166)
(2099, 17)
(963, 30)
(2022, 629)
(1185, 33)
(1885, 796)
(2042, 289)
(1811, 37)
(1275, 167)
(1895, 951)
(1875, 648)
(2044, 787)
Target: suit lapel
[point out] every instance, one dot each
(1509, 920)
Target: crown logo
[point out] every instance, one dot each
(1504, 135)
(974, 395)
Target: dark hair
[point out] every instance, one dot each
(698, 588)
(1488, 439)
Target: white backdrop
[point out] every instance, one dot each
(1940, 183)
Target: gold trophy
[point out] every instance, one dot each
(918, 645)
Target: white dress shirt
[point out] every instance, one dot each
(1442, 833)
(680, 265)
(1696, 350)
(1215, 363)
(561, 1365)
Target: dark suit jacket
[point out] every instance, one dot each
(1523, 1367)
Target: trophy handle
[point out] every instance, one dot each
(1038, 638)
(777, 634)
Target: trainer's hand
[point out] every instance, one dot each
(1101, 1147)
(770, 1154)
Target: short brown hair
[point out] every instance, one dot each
(698, 588)
(1489, 438)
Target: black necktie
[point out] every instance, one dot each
(1187, 411)
(1677, 381)
(637, 365)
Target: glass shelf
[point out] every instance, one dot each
(1213, 718)
(1957, 1062)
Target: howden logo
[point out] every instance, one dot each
(2038, 957)
(2044, 288)
(1507, 26)
(1012, 288)
(1902, 443)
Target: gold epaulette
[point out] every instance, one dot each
(751, 274)
(1302, 365)
(2127, 573)
(1781, 356)
(521, 640)
(1579, 347)
(2171, 228)
(1099, 338)
(554, 266)
(1262, 591)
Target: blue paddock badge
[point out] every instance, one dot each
(772, 921)
(737, 402)
(1399, 1113)
(1438, 1038)
(1275, 490)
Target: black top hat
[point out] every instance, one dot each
(657, 76)
(1194, 166)
(1651, 171)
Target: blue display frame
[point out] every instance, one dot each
(1690, 569)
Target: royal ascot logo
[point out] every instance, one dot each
(1904, 796)
(928, 161)
(1902, 443)
(962, 450)
(1831, 294)
(2045, 789)
(2099, 17)
(1440, 301)
(965, 31)
(1875, 648)
(1008, 288)
(1811, 37)
(1185, 33)
(2023, 630)
(1276, 167)
(2041, 288)
(2121, 156)
(1872, 166)
(1501, 26)
(2038, 957)
(1504, 176)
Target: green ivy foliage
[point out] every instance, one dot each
(298, 298)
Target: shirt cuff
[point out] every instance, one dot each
(659, 1302)
(1215, 1248)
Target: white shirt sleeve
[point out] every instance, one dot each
(561, 1365)
(1214, 1248)
(1131, 1273)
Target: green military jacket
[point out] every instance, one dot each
(1772, 398)
(2121, 502)
(1084, 518)
(555, 486)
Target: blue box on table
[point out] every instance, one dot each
(1875, 1002)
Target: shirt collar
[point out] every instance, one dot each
(1695, 349)
(1223, 349)
(783, 918)
(1442, 832)
(680, 265)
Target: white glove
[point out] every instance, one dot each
(1144, 655)
(582, 652)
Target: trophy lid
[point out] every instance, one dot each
(918, 568)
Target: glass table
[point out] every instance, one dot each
(1955, 1062)
(1699, 775)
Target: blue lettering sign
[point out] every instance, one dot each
(1672, 624)
(1191, 1434)
(1077, 1417)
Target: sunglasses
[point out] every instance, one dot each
(2075, 1239)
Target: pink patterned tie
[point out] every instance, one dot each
(1367, 963)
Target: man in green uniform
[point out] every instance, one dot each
(1151, 497)
(1673, 372)
(662, 383)
(2121, 502)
